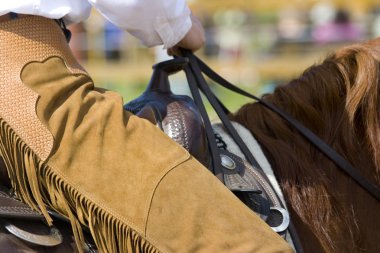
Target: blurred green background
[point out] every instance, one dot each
(256, 45)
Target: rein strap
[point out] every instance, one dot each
(349, 169)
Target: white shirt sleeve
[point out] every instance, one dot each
(73, 11)
(153, 22)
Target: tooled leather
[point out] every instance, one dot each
(176, 115)
(175, 126)
(182, 124)
(24, 40)
(10, 207)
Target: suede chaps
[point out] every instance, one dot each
(71, 147)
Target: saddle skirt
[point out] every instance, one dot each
(247, 182)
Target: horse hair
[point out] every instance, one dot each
(339, 101)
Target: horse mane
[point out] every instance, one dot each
(339, 101)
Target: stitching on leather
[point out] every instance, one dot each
(16, 210)
(186, 158)
(93, 199)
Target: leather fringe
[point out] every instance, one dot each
(39, 186)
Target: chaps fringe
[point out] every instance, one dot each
(38, 185)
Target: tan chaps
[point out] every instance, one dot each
(71, 147)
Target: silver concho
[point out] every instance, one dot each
(227, 162)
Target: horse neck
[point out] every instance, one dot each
(323, 200)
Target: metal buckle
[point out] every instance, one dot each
(285, 219)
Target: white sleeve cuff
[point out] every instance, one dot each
(172, 30)
(153, 22)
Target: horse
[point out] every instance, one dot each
(339, 100)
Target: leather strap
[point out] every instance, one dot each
(13, 208)
(349, 169)
(65, 31)
(216, 160)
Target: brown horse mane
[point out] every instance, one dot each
(339, 101)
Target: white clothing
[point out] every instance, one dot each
(153, 22)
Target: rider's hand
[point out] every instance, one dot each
(193, 40)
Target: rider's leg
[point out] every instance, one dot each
(72, 147)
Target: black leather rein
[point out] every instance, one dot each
(342, 163)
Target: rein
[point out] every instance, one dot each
(198, 67)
